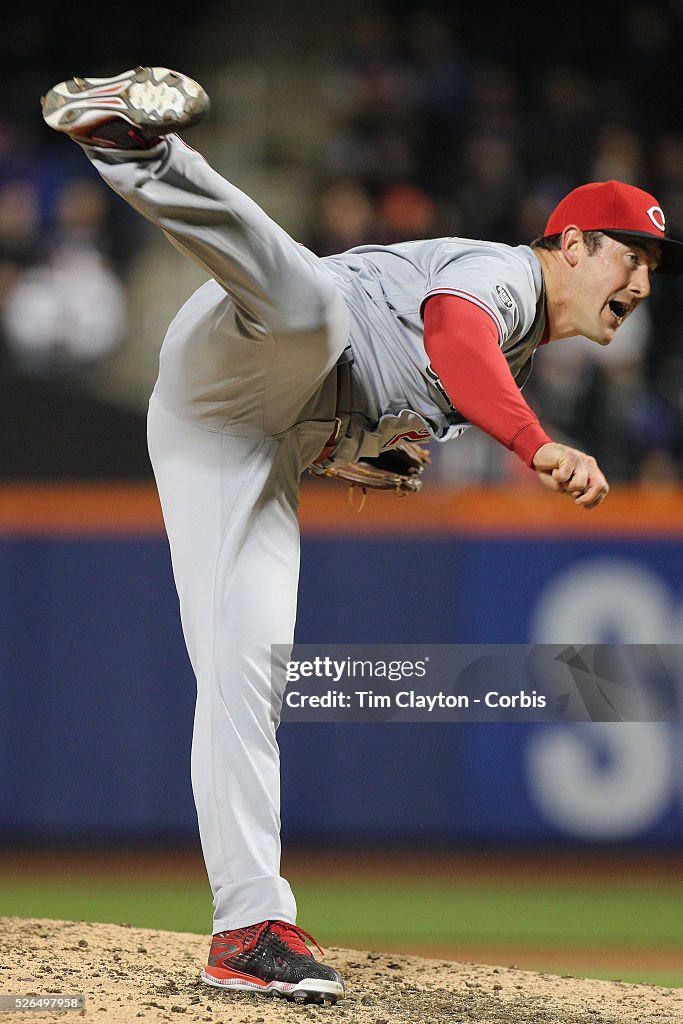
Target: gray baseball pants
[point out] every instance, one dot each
(244, 401)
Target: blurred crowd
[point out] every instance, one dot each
(435, 135)
(64, 256)
(432, 129)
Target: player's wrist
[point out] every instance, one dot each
(528, 440)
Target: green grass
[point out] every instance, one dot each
(496, 912)
(667, 979)
(168, 904)
(377, 914)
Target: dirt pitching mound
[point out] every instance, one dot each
(129, 974)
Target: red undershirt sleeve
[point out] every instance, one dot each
(462, 343)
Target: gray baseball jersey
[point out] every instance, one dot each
(253, 370)
(392, 390)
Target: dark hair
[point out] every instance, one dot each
(592, 241)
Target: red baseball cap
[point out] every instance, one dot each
(618, 209)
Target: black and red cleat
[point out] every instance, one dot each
(271, 958)
(132, 110)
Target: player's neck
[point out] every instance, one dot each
(560, 322)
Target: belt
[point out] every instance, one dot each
(343, 390)
(333, 439)
(330, 444)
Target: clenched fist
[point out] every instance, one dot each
(572, 472)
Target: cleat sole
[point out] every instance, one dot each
(310, 990)
(149, 98)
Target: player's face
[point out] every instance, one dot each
(610, 284)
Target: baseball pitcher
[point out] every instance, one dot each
(284, 362)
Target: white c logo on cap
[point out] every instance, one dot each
(656, 215)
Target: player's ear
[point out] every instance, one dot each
(572, 244)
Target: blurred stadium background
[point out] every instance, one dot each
(553, 847)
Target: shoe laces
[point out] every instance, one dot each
(293, 937)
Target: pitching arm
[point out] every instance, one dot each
(461, 341)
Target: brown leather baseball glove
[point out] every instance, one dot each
(398, 470)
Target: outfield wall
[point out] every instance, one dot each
(96, 691)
